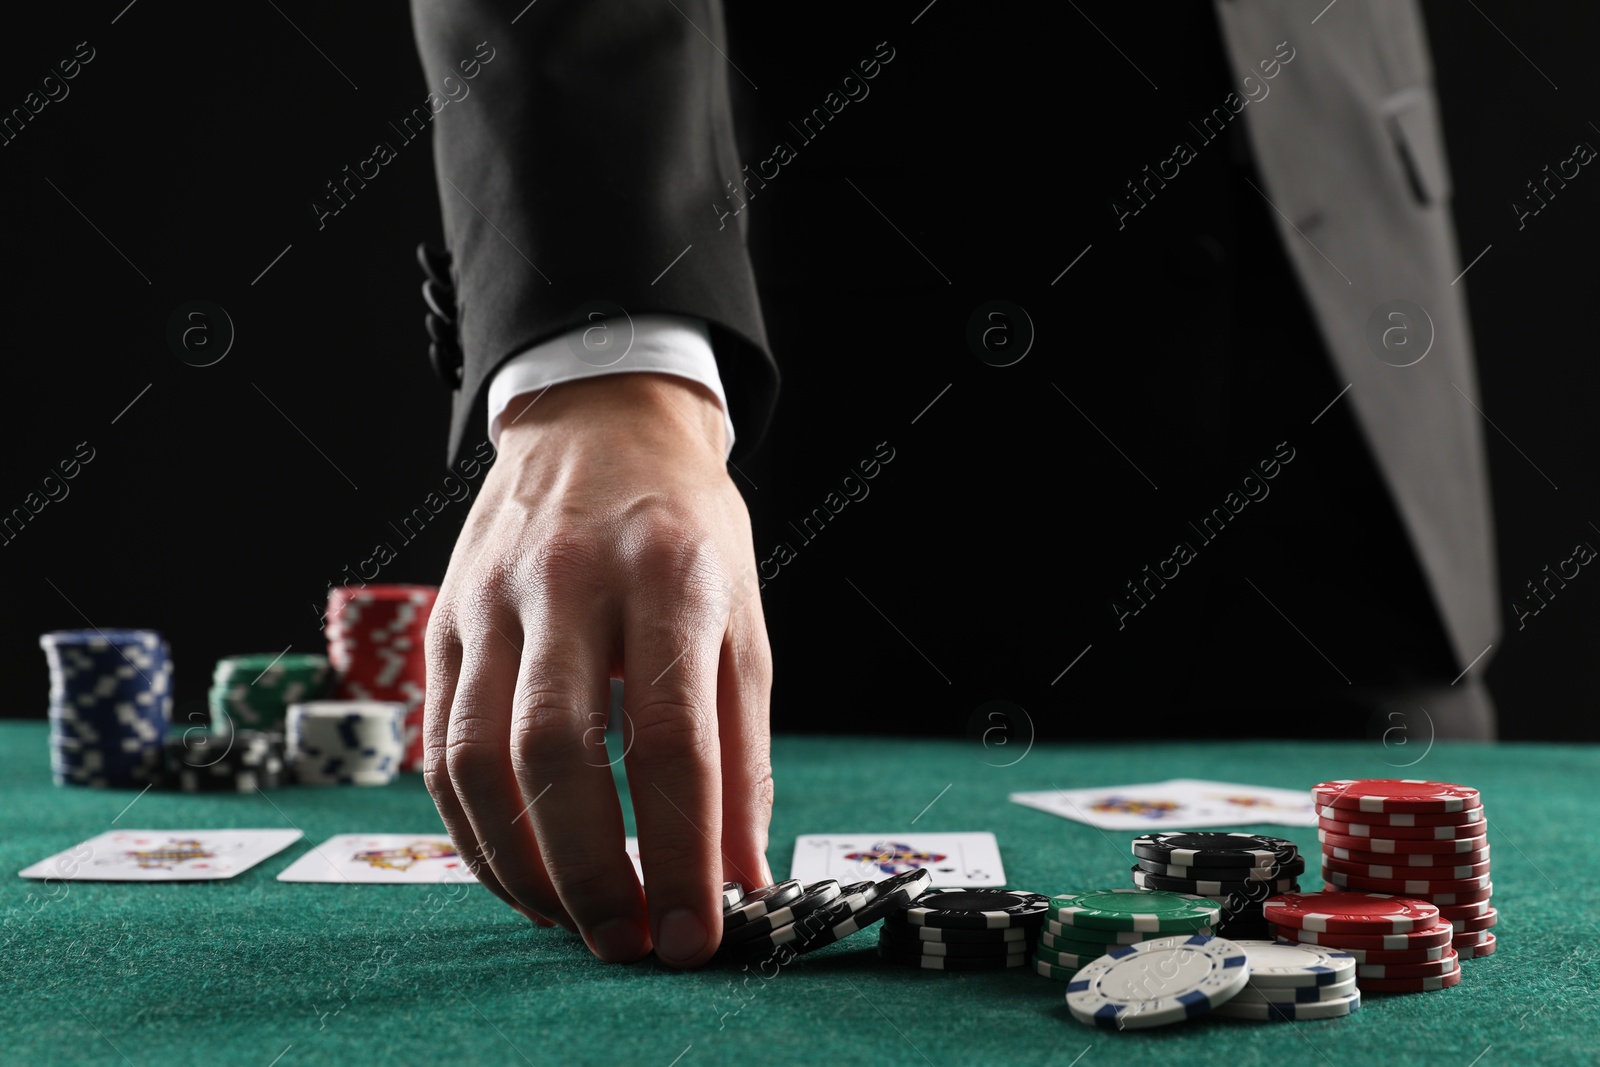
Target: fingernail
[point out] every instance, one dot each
(683, 935)
(618, 940)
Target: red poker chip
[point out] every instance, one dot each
(1475, 937)
(1390, 795)
(1379, 955)
(1452, 912)
(1404, 887)
(1399, 860)
(1409, 985)
(1436, 936)
(1355, 913)
(1389, 846)
(1451, 900)
(1443, 965)
(1475, 923)
(1378, 819)
(1405, 872)
(1398, 834)
(1485, 947)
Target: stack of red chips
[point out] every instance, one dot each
(376, 643)
(1412, 838)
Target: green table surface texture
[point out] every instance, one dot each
(255, 971)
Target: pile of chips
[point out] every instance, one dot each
(964, 930)
(1294, 983)
(240, 761)
(345, 742)
(110, 704)
(254, 692)
(778, 922)
(376, 643)
(1236, 871)
(1400, 945)
(1081, 928)
(1411, 838)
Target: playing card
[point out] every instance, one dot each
(1182, 803)
(392, 859)
(967, 860)
(163, 855)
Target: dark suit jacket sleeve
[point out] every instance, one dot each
(590, 149)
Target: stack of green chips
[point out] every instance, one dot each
(1082, 927)
(254, 692)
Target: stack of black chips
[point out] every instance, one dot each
(200, 761)
(1237, 871)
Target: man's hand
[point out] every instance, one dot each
(607, 542)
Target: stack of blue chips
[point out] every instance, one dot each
(110, 705)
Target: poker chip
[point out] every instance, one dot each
(815, 896)
(1304, 994)
(1277, 964)
(377, 644)
(1410, 985)
(1349, 912)
(759, 902)
(954, 936)
(976, 909)
(1469, 897)
(1059, 957)
(1485, 947)
(1215, 849)
(1093, 948)
(1378, 955)
(1452, 912)
(1101, 936)
(1397, 820)
(1158, 982)
(910, 945)
(1402, 858)
(1476, 922)
(858, 907)
(1334, 828)
(110, 706)
(1382, 845)
(1291, 1012)
(1225, 874)
(1405, 886)
(732, 893)
(1146, 880)
(1389, 795)
(1406, 871)
(1059, 972)
(253, 692)
(198, 760)
(1134, 909)
(345, 742)
(957, 963)
(1436, 935)
(1430, 968)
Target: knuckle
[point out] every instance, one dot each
(545, 731)
(436, 776)
(677, 732)
(579, 877)
(468, 759)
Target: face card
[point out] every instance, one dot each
(392, 859)
(1182, 803)
(163, 855)
(964, 860)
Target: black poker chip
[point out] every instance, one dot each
(1204, 888)
(956, 963)
(732, 893)
(758, 902)
(1294, 867)
(858, 907)
(891, 942)
(977, 909)
(1014, 934)
(817, 895)
(1215, 849)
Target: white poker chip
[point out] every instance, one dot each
(1290, 1012)
(1279, 964)
(1158, 982)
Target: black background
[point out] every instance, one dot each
(219, 506)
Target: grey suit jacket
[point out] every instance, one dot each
(1352, 159)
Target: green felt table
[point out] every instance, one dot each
(247, 970)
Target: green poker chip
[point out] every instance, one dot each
(1134, 909)
(1045, 969)
(1064, 960)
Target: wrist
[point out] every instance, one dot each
(647, 408)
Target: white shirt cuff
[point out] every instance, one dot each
(662, 344)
